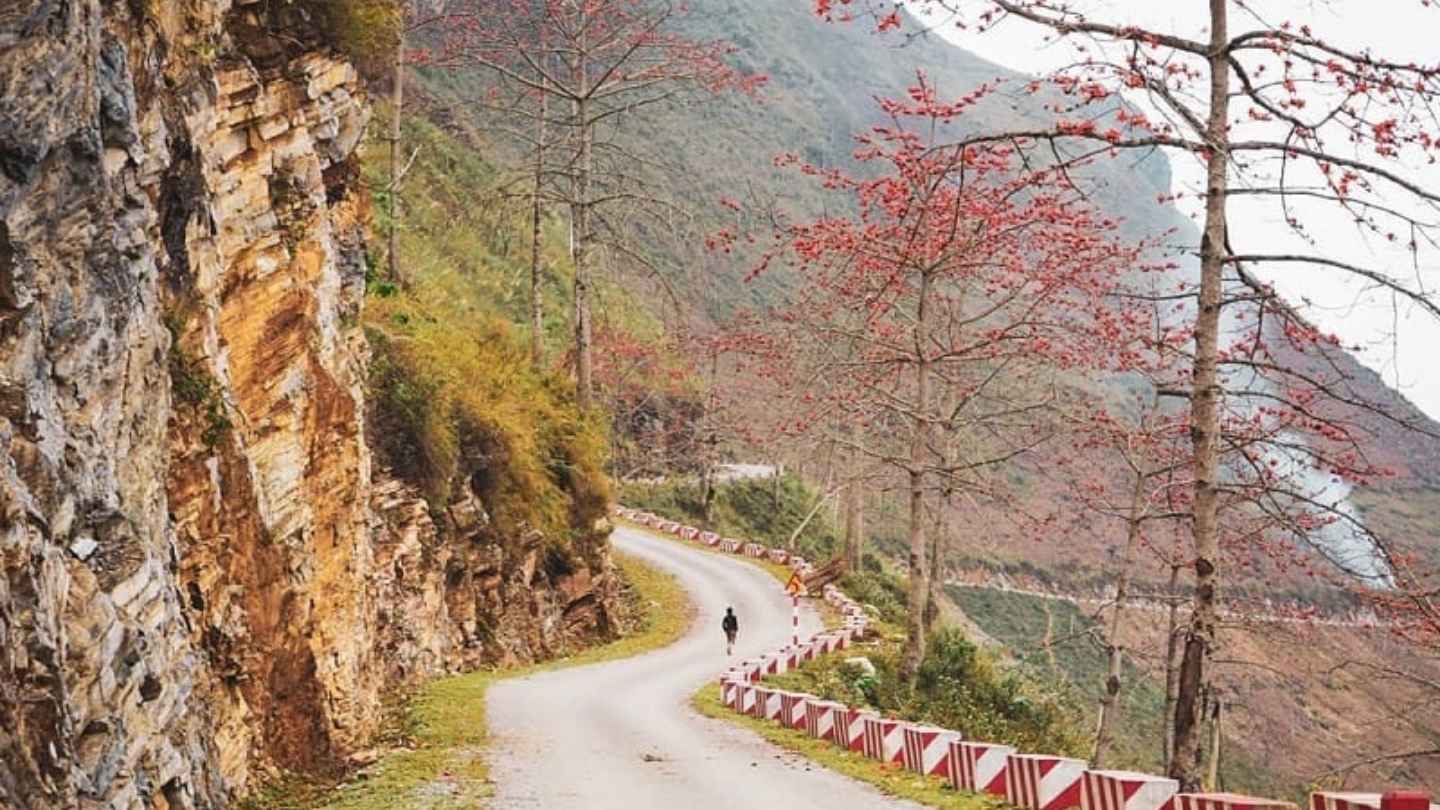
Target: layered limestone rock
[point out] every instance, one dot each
(199, 581)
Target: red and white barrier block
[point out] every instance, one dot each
(779, 556)
(850, 728)
(767, 703)
(1394, 800)
(820, 718)
(729, 545)
(754, 550)
(884, 739)
(1225, 801)
(689, 532)
(747, 671)
(979, 767)
(709, 538)
(758, 705)
(927, 749)
(730, 690)
(1126, 790)
(1331, 800)
(1043, 782)
(793, 713)
(776, 663)
(745, 700)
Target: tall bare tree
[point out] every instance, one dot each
(598, 66)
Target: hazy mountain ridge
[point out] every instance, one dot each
(823, 79)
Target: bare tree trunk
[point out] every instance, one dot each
(584, 387)
(814, 510)
(854, 525)
(919, 447)
(707, 491)
(1110, 699)
(708, 441)
(1205, 410)
(1212, 773)
(397, 107)
(937, 566)
(1172, 665)
(537, 309)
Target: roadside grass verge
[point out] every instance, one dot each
(890, 780)
(442, 735)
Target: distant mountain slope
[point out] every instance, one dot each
(823, 83)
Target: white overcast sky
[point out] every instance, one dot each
(1398, 29)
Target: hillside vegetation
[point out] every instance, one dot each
(823, 81)
(453, 392)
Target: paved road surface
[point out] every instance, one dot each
(578, 738)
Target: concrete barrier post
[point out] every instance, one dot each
(927, 749)
(979, 767)
(820, 719)
(884, 740)
(1043, 782)
(1126, 790)
(855, 728)
(1405, 800)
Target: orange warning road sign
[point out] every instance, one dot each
(796, 585)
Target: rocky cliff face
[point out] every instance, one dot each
(201, 578)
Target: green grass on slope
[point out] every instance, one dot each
(1020, 622)
(465, 227)
(958, 686)
(442, 734)
(890, 780)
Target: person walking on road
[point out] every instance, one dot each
(731, 626)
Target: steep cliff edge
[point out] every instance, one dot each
(202, 579)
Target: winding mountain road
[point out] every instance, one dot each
(622, 735)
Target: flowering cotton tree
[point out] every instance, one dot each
(1277, 114)
(592, 68)
(1131, 464)
(925, 323)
